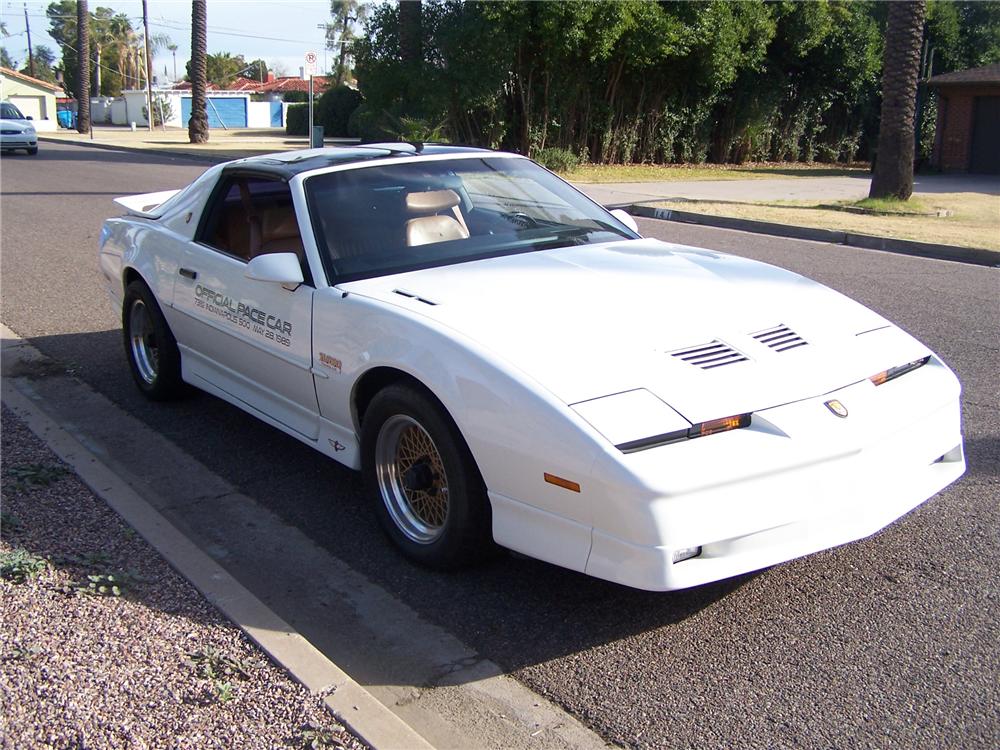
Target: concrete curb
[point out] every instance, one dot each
(352, 705)
(972, 255)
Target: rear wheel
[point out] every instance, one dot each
(428, 492)
(150, 347)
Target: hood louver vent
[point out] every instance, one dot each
(781, 338)
(707, 356)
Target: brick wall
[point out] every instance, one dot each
(953, 138)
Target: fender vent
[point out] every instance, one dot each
(781, 338)
(707, 356)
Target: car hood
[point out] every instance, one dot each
(18, 125)
(594, 320)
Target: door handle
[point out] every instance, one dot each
(188, 273)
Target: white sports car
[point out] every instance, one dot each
(510, 364)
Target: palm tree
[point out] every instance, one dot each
(340, 33)
(83, 60)
(198, 124)
(893, 176)
(173, 51)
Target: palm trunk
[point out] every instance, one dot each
(198, 124)
(83, 58)
(893, 176)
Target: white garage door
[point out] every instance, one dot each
(30, 106)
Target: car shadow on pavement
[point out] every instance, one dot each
(513, 610)
(107, 154)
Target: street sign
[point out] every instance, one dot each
(310, 66)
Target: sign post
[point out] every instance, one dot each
(315, 138)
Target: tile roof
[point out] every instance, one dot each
(28, 79)
(280, 85)
(986, 75)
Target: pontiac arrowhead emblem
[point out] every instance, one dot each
(836, 407)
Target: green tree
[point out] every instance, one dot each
(44, 60)
(198, 124)
(6, 60)
(340, 34)
(893, 176)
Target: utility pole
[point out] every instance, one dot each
(149, 69)
(31, 54)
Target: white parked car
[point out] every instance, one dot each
(510, 364)
(16, 130)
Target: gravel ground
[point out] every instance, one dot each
(153, 666)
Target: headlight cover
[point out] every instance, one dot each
(638, 420)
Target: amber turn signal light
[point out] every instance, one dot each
(719, 425)
(894, 372)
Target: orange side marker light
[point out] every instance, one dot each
(566, 484)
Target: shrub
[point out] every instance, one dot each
(162, 111)
(335, 107)
(295, 97)
(557, 159)
(365, 124)
(297, 119)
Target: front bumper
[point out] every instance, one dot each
(798, 481)
(17, 141)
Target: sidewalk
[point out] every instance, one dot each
(222, 145)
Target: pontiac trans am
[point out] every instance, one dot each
(511, 365)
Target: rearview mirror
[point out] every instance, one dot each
(281, 268)
(625, 218)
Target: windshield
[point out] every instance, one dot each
(9, 112)
(375, 220)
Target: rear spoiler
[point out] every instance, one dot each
(146, 204)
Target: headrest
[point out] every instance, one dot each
(431, 201)
(279, 222)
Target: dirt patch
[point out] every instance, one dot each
(104, 645)
(972, 220)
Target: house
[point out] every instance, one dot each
(34, 97)
(967, 136)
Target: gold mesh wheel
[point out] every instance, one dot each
(411, 478)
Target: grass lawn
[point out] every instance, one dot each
(596, 173)
(974, 219)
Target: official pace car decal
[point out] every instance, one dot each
(253, 319)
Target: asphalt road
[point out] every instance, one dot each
(889, 642)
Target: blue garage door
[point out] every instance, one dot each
(221, 110)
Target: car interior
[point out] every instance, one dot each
(253, 216)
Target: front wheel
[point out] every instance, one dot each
(32, 151)
(150, 347)
(429, 495)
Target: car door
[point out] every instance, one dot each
(249, 339)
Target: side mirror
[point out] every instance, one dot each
(625, 218)
(280, 268)
(29, 117)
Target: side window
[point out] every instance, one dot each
(253, 216)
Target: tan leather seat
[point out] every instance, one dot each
(433, 224)
(280, 232)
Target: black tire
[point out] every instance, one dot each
(32, 151)
(152, 353)
(408, 492)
